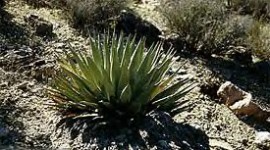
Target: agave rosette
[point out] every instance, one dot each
(119, 76)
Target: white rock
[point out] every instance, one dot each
(262, 137)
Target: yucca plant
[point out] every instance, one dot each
(119, 78)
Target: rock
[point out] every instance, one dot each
(41, 26)
(262, 137)
(4, 84)
(172, 40)
(163, 144)
(132, 24)
(220, 144)
(3, 132)
(240, 102)
(65, 146)
(23, 85)
(245, 107)
(240, 54)
(230, 93)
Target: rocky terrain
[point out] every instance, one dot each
(31, 40)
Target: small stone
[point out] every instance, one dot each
(143, 134)
(3, 132)
(262, 137)
(201, 96)
(221, 144)
(22, 85)
(163, 143)
(35, 90)
(5, 84)
(186, 143)
(65, 146)
(60, 45)
(25, 95)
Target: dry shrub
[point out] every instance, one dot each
(199, 23)
(258, 8)
(98, 13)
(207, 26)
(236, 29)
(259, 40)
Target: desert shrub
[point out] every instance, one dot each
(118, 79)
(98, 13)
(236, 30)
(258, 8)
(199, 23)
(259, 40)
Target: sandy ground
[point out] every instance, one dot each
(28, 122)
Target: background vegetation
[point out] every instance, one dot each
(211, 27)
(95, 13)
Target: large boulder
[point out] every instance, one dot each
(239, 54)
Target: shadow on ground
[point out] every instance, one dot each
(11, 34)
(9, 128)
(156, 130)
(14, 36)
(18, 46)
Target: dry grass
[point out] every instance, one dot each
(259, 40)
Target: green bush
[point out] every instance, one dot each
(119, 79)
(98, 13)
(257, 8)
(199, 23)
(259, 40)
